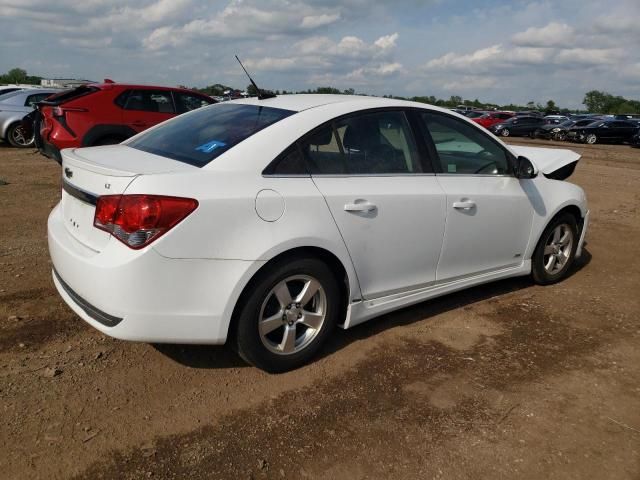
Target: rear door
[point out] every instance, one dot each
(144, 108)
(384, 199)
(489, 215)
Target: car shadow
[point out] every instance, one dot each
(218, 357)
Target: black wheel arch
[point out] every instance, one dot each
(98, 132)
(326, 256)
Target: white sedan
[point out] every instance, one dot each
(267, 223)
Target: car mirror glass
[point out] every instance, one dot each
(525, 169)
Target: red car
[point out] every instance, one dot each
(491, 118)
(107, 113)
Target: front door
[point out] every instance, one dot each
(388, 206)
(489, 216)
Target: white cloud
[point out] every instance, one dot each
(552, 35)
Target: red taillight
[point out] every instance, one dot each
(138, 220)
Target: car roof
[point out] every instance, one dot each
(109, 85)
(305, 101)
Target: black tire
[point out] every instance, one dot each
(538, 271)
(112, 140)
(246, 337)
(14, 136)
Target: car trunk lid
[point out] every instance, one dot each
(91, 172)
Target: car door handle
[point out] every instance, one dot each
(466, 205)
(359, 207)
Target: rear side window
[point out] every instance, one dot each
(150, 101)
(186, 102)
(33, 99)
(202, 135)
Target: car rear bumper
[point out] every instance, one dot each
(143, 296)
(49, 150)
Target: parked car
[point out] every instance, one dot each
(604, 131)
(13, 107)
(552, 131)
(267, 223)
(635, 140)
(517, 126)
(555, 119)
(529, 113)
(107, 113)
(491, 118)
(473, 113)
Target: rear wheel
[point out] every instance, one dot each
(290, 312)
(556, 250)
(505, 132)
(17, 137)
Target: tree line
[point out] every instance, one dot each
(595, 101)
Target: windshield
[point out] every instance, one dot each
(198, 137)
(566, 124)
(474, 114)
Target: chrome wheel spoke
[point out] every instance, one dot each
(566, 236)
(270, 324)
(556, 234)
(548, 250)
(288, 343)
(310, 288)
(282, 313)
(282, 293)
(312, 319)
(550, 263)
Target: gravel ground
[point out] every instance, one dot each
(508, 380)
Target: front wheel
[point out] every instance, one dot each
(591, 139)
(18, 138)
(505, 132)
(556, 250)
(290, 312)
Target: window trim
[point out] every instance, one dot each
(434, 152)
(421, 151)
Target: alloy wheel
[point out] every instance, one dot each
(557, 250)
(591, 139)
(292, 314)
(19, 138)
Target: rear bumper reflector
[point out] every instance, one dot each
(98, 315)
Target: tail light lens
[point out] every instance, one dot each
(138, 220)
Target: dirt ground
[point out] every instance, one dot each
(508, 380)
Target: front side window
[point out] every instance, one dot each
(464, 149)
(199, 137)
(150, 101)
(363, 144)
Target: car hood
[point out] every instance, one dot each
(548, 160)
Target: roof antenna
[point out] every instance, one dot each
(262, 95)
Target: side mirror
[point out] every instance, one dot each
(524, 168)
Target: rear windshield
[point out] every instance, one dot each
(68, 95)
(198, 137)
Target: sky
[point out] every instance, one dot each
(498, 51)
